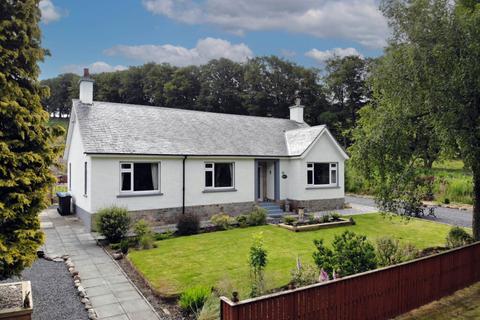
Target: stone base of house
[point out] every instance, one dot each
(159, 217)
(317, 205)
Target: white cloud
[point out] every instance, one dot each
(49, 11)
(357, 20)
(96, 67)
(205, 50)
(322, 56)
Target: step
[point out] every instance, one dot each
(275, 211)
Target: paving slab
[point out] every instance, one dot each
(112, 294)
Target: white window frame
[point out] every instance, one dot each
(212, 169)
(333, 168)
(131, 171)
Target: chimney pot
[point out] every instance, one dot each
(86, 73)
(296, 111)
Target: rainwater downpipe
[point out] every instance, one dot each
(183, 186)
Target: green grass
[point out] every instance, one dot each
(452, 182)
(206, 259)
(464, 304)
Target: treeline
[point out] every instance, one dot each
(263, 86)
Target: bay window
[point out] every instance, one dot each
(219, 175)
(139, 176)
(322, 174)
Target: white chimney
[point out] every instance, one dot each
(296, 111)
(86, 88)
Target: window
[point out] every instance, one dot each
(219, 175)
(321, 174)
(85, 178)
(139, 176)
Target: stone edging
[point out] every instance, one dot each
(92, 315)
(311, 227)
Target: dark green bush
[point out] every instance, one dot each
(124, 246)
(113, 223)
(351, 254)
(458, 237)
(193, 299)
(335, 216)
(325, 218)
(188, 224)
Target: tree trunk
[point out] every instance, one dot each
(476, 202)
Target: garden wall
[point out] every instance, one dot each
(378, 294)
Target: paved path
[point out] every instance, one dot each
(444, 215)
(111, 293)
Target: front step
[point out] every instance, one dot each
(273, 209)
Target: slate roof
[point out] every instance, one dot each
(114, 128)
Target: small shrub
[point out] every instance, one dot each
(408, 252)
(304, 275)
(325, 218)
(113, 223)
(163, 236)
(352, 221)
(188, 224)
(242, 220)
(289, 220)
(222, 221)
(257, 261)
(146, 241)
(124, 245)
(193, 299)
(257, 217)
(336, 216)
(115, 246)
(211, 309)
(458, 237)
(312, 219)
(141, 228)
(446, 201)
(388, 251)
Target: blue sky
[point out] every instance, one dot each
(107, 35)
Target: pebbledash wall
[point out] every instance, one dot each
(103, 185)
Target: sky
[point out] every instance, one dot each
(108, 35)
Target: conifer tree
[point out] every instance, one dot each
(26, 142)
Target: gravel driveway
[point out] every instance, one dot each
(444, 215)
(54, 295)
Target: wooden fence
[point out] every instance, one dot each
(377, 294)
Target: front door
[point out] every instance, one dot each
(262, 181)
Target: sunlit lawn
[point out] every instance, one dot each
(206, 259)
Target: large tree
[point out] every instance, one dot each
(430, 71)
(26, 151)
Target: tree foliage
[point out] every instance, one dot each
(428, 75)
(26, 143)
(262, 86)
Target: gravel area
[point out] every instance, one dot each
(54, 295)
(11, 296)
(444, 215)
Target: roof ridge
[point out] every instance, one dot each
(185, 110)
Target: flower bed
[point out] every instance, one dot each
(310, 222)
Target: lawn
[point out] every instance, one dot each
(452, 183)
(464, 304)
(206, 259)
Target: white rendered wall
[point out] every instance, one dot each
(323, 151)
(106, 184)
(76, 160)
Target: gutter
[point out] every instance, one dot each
(183, 185)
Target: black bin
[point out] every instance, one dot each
(64, 203)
